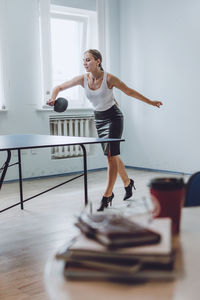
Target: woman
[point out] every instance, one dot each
(98, 87)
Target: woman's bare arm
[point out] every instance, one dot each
(78, 80)
(117, 83)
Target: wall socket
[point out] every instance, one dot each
(33, 151)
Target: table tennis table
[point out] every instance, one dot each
(20, 142)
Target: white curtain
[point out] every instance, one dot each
(45, 27)
(101, 18)
(2, 52)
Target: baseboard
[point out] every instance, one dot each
(157, 170)
(97, 170)
(53, 175)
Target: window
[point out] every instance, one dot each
(64, 39)
(67, 44)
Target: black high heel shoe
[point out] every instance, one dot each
(105, 202)
(128, 190)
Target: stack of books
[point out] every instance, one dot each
(111, 247)
(116, 231)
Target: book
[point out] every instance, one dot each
(116, 231)
(84, 249)
(74, 264)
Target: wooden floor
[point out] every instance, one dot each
(29, 237)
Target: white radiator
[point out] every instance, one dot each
(70, 126)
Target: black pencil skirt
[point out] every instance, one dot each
(109, 124)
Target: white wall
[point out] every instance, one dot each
(160, 46)
(23, 93)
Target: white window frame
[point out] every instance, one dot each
(46, 12)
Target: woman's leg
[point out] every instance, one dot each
(128, 183)
(122, 172)
(115, 165)
(112, 174)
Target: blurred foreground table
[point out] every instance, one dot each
(184, 287)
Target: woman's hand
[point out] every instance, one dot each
(51, 102)
(156, 103)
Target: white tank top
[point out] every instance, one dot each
(102, 98)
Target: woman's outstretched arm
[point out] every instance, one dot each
(117, 83)
(78, 80)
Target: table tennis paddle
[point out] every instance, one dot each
(60, 104)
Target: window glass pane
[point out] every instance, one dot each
(66, 38)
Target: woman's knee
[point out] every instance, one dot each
(112, 159)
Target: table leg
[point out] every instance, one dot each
(5, 167)
(20, 179)
(85, 173)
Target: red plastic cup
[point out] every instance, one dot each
(169, 192)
